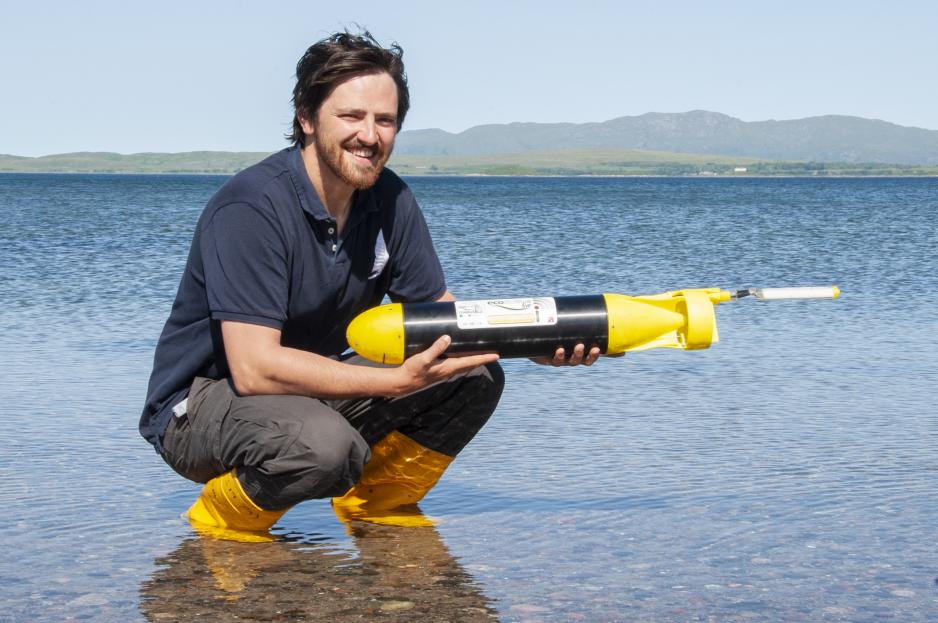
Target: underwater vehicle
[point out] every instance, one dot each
(538, 326)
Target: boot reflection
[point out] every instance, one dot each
(398, 574)
(233, 566)
(414, 567)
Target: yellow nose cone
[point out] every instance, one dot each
(377, 334)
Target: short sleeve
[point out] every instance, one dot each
(245, 265)
(416, 274)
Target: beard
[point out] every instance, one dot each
(343, 166)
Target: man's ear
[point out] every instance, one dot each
(306, 122)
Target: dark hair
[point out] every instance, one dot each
(335, 59)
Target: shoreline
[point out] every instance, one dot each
(517, 176)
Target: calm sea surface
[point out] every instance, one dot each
(789, 473)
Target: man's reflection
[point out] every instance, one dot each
(404, 574)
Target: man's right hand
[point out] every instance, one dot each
(429, 367)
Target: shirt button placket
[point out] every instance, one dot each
(335, 247)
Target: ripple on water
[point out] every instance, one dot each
(788, 473)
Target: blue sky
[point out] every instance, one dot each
(182, 76)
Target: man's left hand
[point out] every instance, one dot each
(579, 356)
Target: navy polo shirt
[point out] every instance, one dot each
(266, 252)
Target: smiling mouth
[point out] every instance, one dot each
(364, 153)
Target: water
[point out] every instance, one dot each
(788, 473)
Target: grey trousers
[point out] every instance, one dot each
(287, 449)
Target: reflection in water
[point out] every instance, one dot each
(404, 574)
(788, 474)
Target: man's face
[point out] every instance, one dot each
(355, 127)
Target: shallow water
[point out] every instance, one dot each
(788, 473)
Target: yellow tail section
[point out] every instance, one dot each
(680, 319)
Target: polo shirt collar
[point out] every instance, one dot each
(363, 201)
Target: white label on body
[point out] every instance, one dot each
(506, 313)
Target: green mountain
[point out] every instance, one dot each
(548, 162)
(692, 143)
(109, 162)
(831, 138)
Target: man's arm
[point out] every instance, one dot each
(260, 365)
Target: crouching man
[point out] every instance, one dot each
(249, 393)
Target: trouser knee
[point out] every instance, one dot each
(496, 380)
(456, 411)
(285, 449)
(324, 463)
(481, 392)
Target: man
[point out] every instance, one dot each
(249, 391)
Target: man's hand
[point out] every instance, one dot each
(429, 367)
(578, 357)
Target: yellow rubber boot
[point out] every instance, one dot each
(400, 472)
(225, 511)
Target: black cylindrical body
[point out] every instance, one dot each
(578, 319)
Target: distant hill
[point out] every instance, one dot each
(109, 162)
(638, 162)
(547, 162)
(830, 138)
(692, 143)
